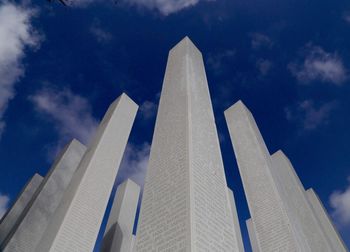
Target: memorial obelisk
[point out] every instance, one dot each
(185, 204)
(281, 217)
(30, 227)
(76, 222)
(13, 215)
(325, 221)
(118, 235)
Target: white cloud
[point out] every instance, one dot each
(264, 66)
(79, 3)
(16, 34)
(165, 7)
(70, 113)
(260, 40)
(319, 65)
(148, 109)
(340, 202)
(4, 201)
(309, 115)
(101, 35)
(134, 163)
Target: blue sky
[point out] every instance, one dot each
(287, 60)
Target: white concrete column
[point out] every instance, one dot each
(252, 236)
(24, 199)
(118, 235)
(76, 223)
(325, 221)
(27, 234)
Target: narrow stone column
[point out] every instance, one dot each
(24, 200)
(236, 220)
(325, 221)
(118, 234)
(76, 223)
(26, 235)
(252, 236)
(185, 205)
(272, 225)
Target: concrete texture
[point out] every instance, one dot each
(185, 204)
(118, 235)
(306, 229)
(12, 216)
(325, 222)
(252, 236)
(76, 223)
(272, 226)
(235, 220)
(27, 234)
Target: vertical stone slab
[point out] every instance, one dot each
(25, 237)
(24, 199)
(252, 236)
(325, 222)
(185, 204)
(306, 229)
(76, 222)
(236, 220)
(118, 236)
(272, 225)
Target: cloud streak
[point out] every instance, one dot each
(264, 66)
(16, 34)
(70, 113)
(148, 110)
(340, 202)
(101, 35)
(164, 7)
(319, 65)
(309, 115)
(134, 163)
(259, 40)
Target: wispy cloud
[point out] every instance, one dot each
(264, 66)
(217, 61)
(346, 17)
(70, 113)
(80, 3)
(164, 7)
(16, 34)
(4, 201)
(259, 40)
(101, 35)
(319, 65)
(148, 109)
(340, 202)
(134, 164)
(309, 115)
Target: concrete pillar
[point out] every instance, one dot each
(27, 234)
(272, 225)
(325, 222)
(252, 236)
(12, 216)
(236, 220)
(118, 235)
(185, 205)
(76, 223)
